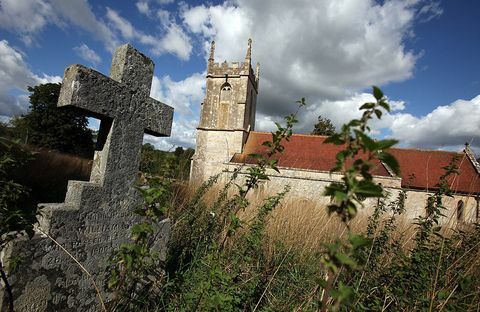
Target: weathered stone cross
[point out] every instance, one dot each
(96, 216)
(125, 109)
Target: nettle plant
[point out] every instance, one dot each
(356, 161)
(203, 270)
(15, 220)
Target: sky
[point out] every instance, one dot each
(424, 55)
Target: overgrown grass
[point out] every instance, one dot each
(230, 251)
(395, 274)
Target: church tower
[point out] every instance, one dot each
(227, 114)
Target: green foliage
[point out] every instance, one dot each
(215, 259)
(357, 160)
(219, 261)
(15, 219)
(324, 126)
(167, 164)
(135, 274)
(46, 125)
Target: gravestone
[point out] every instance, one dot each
(96, 215)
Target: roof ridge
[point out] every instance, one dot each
(425, 150)
(472, 158)
(295, 134)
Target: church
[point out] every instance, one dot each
(226, 138)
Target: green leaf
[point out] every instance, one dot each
(390, 161)
(335, 139)
(384, 144)
(345, 260)
(384, 105)
(368, 142)
(368, 189)
(368, 105)
(377, 93)
(358, 241)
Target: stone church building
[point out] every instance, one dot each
(226, 137)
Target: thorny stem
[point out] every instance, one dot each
(436, 276)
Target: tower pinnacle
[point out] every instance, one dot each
(212, 52)
(248, 57)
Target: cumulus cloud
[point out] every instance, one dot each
(321, 50)
(445, 127)
(87, 54)
(329, 52)
(28, 17)
(438, 129)
(25, 17)
(182, 95)
(183, 134)
(14, 80)
(175, 41)
(143, 7)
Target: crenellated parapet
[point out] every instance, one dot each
(233, 69)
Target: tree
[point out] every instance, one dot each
(16, 219)
(324, 126)
(49, 126)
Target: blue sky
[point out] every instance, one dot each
(422, 53)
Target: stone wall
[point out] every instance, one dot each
(308, 185)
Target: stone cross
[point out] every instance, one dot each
(96, 215)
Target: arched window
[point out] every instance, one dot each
(226, 92)
(460, 211)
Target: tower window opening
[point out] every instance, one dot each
(226, 92)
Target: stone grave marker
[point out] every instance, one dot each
(96, 215)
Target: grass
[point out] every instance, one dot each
(294, 241)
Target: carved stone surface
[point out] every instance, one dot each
(96, 215)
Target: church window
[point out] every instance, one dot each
(226, 93)
(460, 211)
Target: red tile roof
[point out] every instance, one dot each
(427, 168)
(310, 152)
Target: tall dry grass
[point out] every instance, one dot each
(48, 173)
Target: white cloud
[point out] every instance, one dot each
(175, 41)
(446, 127)
(430, 11)
(183, 134)
(25, 17)
(321, 50)
(181, 95)
(143, 7)
(87, 54)
(14, 79)
(28, 17)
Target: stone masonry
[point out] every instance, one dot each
(96, 215)
(227, 113)
(227, 121)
